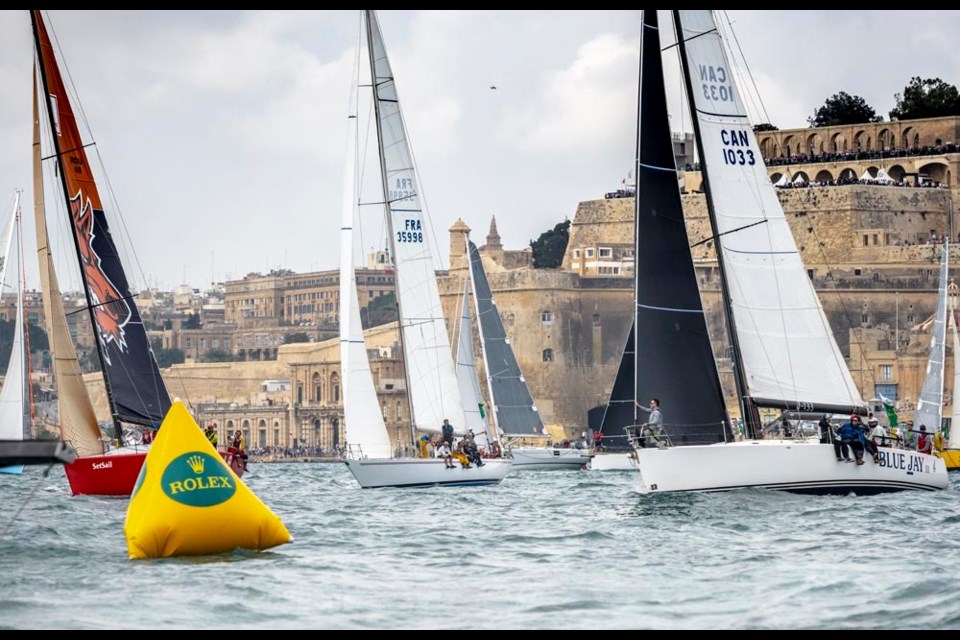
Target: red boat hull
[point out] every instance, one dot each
(234, 461)
(116, 475)
(106, 475)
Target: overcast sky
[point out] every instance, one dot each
(223, 133)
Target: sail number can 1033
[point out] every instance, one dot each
(736, 147)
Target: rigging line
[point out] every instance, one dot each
(63, 153)
(718, 235)
(755, 94)
(690, 39)
(100, 304)
(78, 107)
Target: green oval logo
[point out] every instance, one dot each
(198, 479)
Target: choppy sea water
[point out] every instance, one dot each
(542, 550)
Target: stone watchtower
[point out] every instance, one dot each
(493, 247)
(459, 233)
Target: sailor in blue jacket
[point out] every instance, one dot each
(851, 435)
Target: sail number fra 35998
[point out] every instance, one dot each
(411, 232)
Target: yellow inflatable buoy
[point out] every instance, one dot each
(188, 502)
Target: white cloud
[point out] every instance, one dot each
(586, 103)
(223, 131)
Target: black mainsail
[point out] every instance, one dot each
(514, 411)
(674, 357)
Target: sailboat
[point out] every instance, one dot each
(929, 411)
(514, 413)
(135, 391)
(14, 395)
(433, 393)
(784, 352)
(951, 446)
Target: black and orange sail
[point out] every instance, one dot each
(134, 386)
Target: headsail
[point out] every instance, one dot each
(781, 338)
(136, 390)
(14, 398)
(467, 378)
(77, 419)
(514, 410)
(431, 377)
(674, 359)
(930, 404)
(365, 431)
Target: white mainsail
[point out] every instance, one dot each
(14, 403)
(467, 378)
(929, 410)
(431, 376)
(78, 422)
(789, 354)
(366, 433)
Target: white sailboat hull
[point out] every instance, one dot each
(373, 473)
(613, 461)
(782, 465)
(527, 458)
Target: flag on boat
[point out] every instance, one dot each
(188, 502)
(891, 411)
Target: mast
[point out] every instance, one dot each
(748, 411)
(36, 20)
(374, 82)
(78, 421)
(631, 338)
(430, 371)
(673, 355)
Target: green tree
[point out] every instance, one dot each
(548, 249)
(764, 126)
(192, 322)
(217, 355)
(36, 336)
(381, 310)
(297, 336)
(930, 98)
(166, 357)
(842, 108)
